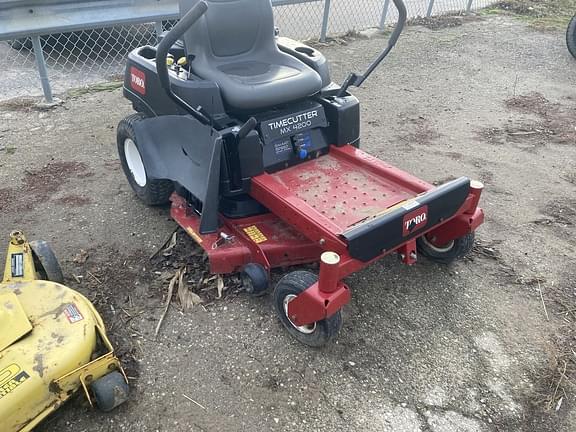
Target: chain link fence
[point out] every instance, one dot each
(94, 56)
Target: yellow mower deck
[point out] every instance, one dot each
(52, 342)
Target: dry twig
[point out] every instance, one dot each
(543, 304)
(194, 402)
(173, 282)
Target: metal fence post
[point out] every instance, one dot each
(384, 14)
(324, 30)
(42, 71)
(430, 7)
(158, 30)
(469, 6)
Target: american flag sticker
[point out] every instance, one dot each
(72, 313)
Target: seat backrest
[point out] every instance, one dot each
(230, 28)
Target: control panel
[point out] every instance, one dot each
(293, 136)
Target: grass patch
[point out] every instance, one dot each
(96, 88)
(539, 14)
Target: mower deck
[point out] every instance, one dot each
(264, 239)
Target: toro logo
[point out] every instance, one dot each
(138, 80)
(415, 220)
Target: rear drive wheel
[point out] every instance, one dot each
(316, 334)
(47, 265)
(152, 192)
(448, 252)
(110, 391)
(571, 36)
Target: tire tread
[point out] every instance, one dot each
(156, 192)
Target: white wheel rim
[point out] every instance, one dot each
(134, 162)
(306, 329)
(440, 249)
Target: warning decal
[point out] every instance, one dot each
(255, 234)
(193, 234)
(72, 313)
(17, 265)
(10, 378)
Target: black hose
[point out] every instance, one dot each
(357, 80)
(170, 39)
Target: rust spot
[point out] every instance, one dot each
(39, 364)
(56, 311)
(59, 338)
(53, 387)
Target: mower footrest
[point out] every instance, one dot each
(397, 225)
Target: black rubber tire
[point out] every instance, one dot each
(154, 192)
(110, 391)
(47, 265)
(571, 36)
(445, 255)
(255, 279)
(325, 330)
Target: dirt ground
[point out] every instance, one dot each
(487, 344)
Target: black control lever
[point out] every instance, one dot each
(170, 39)
(247, 128)
(357, 80)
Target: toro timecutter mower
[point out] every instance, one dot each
(257, 149)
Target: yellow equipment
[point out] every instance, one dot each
(52, 342)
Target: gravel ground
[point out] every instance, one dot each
(425, 348)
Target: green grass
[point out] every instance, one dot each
(539, 14)
(96, 88)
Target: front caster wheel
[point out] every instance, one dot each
(445, 254)
(316, 334)
(571, 36)
(47, 265)
(110, 391)
(255, 279)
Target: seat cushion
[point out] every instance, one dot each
(249, 84)
(254, 72)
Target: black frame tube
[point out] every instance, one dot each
(357, 80)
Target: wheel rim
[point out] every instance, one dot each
(134, 162)
(305, 329)
(247, 284)
(441, 249)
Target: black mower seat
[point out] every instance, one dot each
(234, 45)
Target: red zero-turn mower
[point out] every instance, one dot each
(257, 149)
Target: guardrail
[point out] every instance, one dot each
(86, 41)
(35, 18)
(24, 18)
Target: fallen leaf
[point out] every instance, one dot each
(188, 299)
(81, 257)
(168, 249)
(220, 286)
